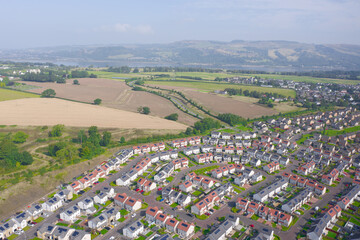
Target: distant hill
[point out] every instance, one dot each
(257, 55)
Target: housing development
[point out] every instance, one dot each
(280, 178)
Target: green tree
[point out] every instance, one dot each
(173, 117)
(97, 101)
(122, 140)
(106, 139)
(82, 136)
(57, 130)
(20, 137)
(76, 82)
(48, 93)
(146, 110)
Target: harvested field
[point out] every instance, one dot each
(222, 104)
(41, 111)
(6, 94)
(242, 106)
(114, 94)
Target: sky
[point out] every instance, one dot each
(42, 23)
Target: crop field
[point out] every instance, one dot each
(209, 86)
(114, 94)
(6, 94)
(223, 104)
(41, 111)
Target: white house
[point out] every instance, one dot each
(134, 230)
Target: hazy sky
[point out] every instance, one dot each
(37, 23)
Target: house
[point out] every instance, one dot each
(297, 201)
(256, 177)
(349, 198)
(151, 213)
(217, 173)
(133, 230)
(183, 200)
(120, 199)
(98, 222)
(52, 204)
(263, 211)
(272, 167)
(186, 186)
(7, 229)
(75, 187)
(242, 204)
(171, 224)
(269, 191)
(326, 179)
(284, 219)
(199, 208)
(132, 204)
(185, 230)
(64, 194)
(320, 190)
(207, 183)
(160, 219)
(21, 219)
(86, 204)
(70, 214)
(101, 198)
(252, 208)
(273, 215)
(35, 211)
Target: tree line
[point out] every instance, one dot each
(254, 94)
(11, 156)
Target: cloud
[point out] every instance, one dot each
(126, 28)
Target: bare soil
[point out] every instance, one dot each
(42, 111)
(114, 94)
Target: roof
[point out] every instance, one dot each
(152, 211)
(184, 226)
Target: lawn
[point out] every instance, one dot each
(103, 232)
(197, 193)
(121, 219)
(12, 237)
(7, 94)
(39, 219)
(202, 217)
(356, 203)
(141, 238)
(211, 86)
(149, 234)
(144, 205)
(303, 138)
(101, 179)
(307, 207)
(331, 234)
(339, 132)
(170, 178)
(254, 217)
(205, 169)
(216, 207)
(174, 205)
(354, 221)
(62, 224)
(295, 219)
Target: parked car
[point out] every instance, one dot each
(161, 200)
(159, 189)
(133, 215)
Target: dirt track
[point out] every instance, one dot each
(42, 111)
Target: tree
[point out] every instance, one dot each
(173, 117)
(82, 136)
(106, 139)
(76, 82)
(136, 70)
(122, 140)
(97, 101)
(48, 93)
(20, 137)
(146, 110)
(57, 130)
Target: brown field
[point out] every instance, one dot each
(41, 111)
(114, 94)
(242, 106)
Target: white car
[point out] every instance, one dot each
(133, 215)
(112, 238)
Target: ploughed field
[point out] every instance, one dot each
(52, 111)
(114, 94)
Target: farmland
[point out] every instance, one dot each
(39, 112)
(212, 76)
(212, 86)
(114, 94)
(6, 94)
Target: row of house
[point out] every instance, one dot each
(173, 196)
(212, 199)
(270, 191)
(251, 207)
(127, 202)
(226, 170)
(170, 168)
(179, 143)
(50, 231)
(155, 147)
(224, 229)
(182, 228)
(305, 183)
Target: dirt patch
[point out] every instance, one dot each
(41, 111)
(114, 94)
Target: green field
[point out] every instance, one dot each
(6, 94)
(211, 86)
(212, 76)
(339, 132)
